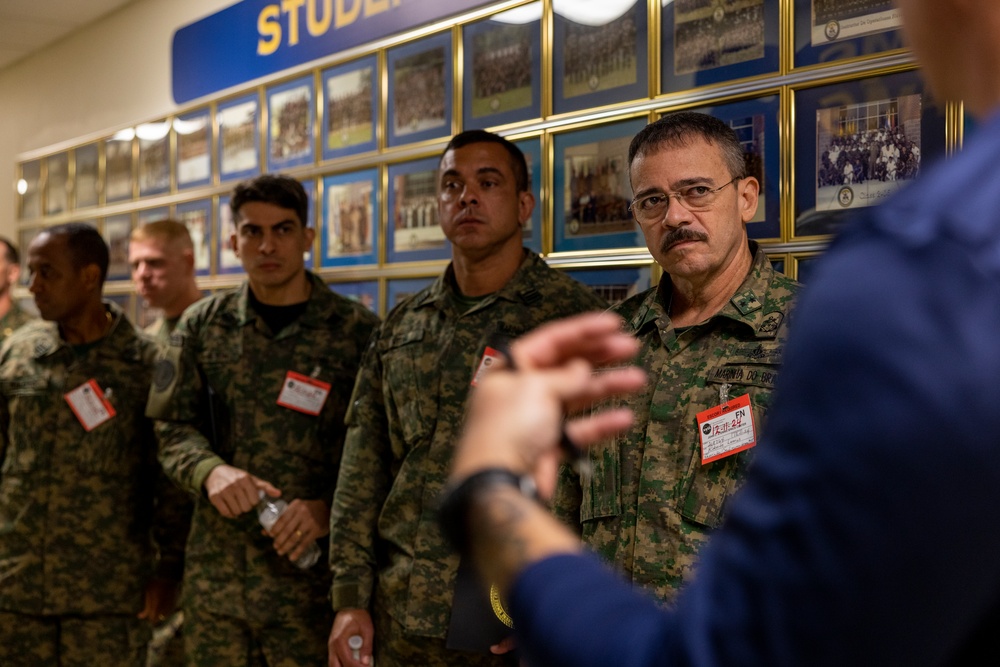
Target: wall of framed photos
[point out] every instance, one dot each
(827, 101)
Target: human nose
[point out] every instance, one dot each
(266, 242)
(33, 285)
(677, 213)
(468, 195)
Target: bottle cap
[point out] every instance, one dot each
(355, 642)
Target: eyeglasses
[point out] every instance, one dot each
(653, 207)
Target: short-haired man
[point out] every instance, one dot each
(12, 315)
(388, 557)
(712, 334)
(162, 259)
(250, 398)
(81, 492)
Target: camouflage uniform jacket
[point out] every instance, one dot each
(215, 401)
(407, 409)
(651, 504)
(80, 510)
(12, 320)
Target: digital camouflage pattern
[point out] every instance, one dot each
(407, 410)
(650, 505)
(15, 318)
(107, 640)
(79, 510)
(222, 347)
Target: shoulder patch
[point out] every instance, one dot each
(747, 302)
(771, 322)
(163, 374)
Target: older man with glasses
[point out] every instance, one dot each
(711, 336)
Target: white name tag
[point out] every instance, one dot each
(89, 405)
(490, 357)
(304, 394)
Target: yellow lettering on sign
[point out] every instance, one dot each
(318, 27)
(268, 27)
(347, 16)
(373, 7)
(292, 7)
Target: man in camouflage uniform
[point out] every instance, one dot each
(81, 493)
(11, 315)
(712, 334)
(162, 259)
(389, 558)
(250, 397)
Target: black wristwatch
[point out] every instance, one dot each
(453, 504)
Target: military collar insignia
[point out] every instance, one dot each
(746, 302)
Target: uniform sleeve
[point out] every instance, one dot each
(171, 524)
(362, 487)
(178, 401)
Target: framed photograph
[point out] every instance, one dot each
(398, 289)
(364, 292)
(615, 283)
(350, 219)
(350, 105)
(116, 231)
(532, 149)
(804, 263)
(86, 182)
(148, 215)
(197, 217)
(756, 123)
(193, 163)
(57, 183)
(118, 167)
(239, 147)
(711, 41)
(154, 157)
(414, 232)
(290, 118)
(226, 260)
(29, 190)
(857, 143)
(600, 54)
(503, 68)
(830, 30)
(420, 90)
(591, 190)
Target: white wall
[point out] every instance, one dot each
(106, 76)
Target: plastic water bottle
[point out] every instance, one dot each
(268, 511)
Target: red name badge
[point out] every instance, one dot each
(726, 429)
(303, 393)
(89, 405)
(490, 357)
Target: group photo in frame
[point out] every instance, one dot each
(600, 54)
(350, 108)
(239, 144)
(197, 217)
(154, 157)
(290, 120)
(29, 201)
(857, 143)
(226, 260)
(57, 183)
(193, 162)
(706, 42)
(116, 232)
(755, 122)
(350, 219)
(118, 167)
(502, 68)
(830, 30)
(148, 215)
(591, 190)
(364, 292)
(420, 90)
(414, 232)
(87, 181)
(614, 284)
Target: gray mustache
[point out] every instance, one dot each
(681, 234)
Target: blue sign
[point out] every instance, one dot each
(255, 38)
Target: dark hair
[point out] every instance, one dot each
(517, 162)
(85, 245)
(10, 251)
(282, 191)
(677, 128)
